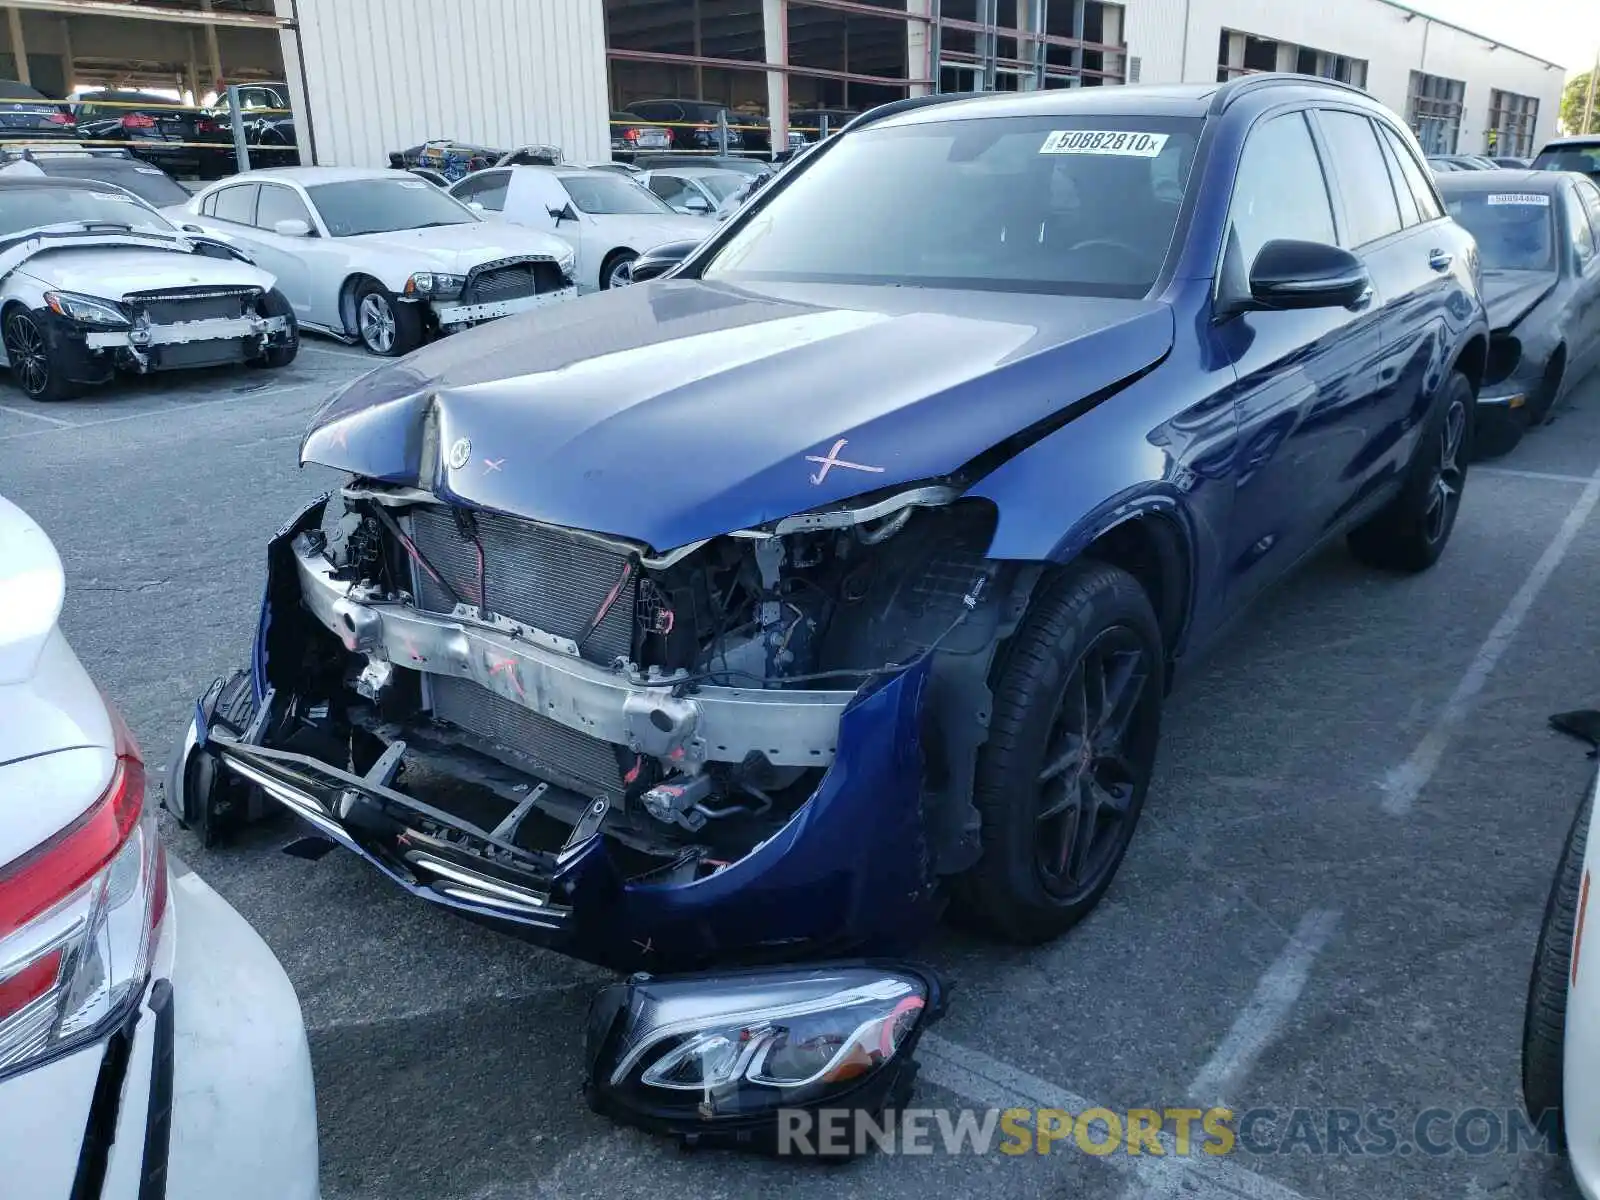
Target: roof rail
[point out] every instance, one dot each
(1234, 88)
(895, 107)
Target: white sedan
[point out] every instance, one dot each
(381, 257)
(150, 1044)
(607, 219)
(1561, 1033)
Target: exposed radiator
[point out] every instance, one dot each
(546, 578)
(170, 306)
(521, 738)
(543, 577)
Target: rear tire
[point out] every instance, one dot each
(34, 368)
(1411, 532)
(385, 326)
(1062, 778)
(1544, 1023)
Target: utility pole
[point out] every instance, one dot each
(1588, 104)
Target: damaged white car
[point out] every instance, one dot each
(94, 281)
(382, 257)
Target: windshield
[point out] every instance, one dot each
(1084, 205)
(612, 196)
(22, 209)
(1583, 159)
(385, 205)
(1514, 231)
(150, 184)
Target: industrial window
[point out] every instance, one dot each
(1248, 54)
(1433, 109)
(1511, 121)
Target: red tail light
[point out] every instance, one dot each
(78, 915)
(138, 121)
(630, 135)
(61, 118)
(207, 125)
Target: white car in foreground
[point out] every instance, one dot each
(382, 257)
(1561, 1035)
(607, 219)
(150, 1044)
(95, 281)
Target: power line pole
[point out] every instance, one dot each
(1588, 103)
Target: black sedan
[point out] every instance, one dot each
(1538, 233)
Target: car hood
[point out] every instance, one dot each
(1510, 295)
(459, 248)
(113, 271)
(676, 410)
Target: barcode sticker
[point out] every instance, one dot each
(1103, 141)
(1530, 198)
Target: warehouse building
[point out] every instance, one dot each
(366, 77)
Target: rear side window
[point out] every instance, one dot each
(1413, 177)
(237, 203)
(1279, 193)
(1369, 200)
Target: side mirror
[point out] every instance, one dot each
(291, 227)
(1291, 274)
(477, 207)
(564, 213)
(655, 263)
(697, 205)
(193, 229)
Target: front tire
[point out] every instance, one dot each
(1411, 532)
(1544, 1023)
(386, 327)
(1062, 778)
(617, 270)
(34, 368)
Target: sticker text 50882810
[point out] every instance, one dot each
(1103, 141)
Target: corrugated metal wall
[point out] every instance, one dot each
(1382, 34)
(380, 75)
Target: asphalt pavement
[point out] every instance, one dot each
(1330, 905)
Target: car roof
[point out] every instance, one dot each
(309, 176)
(41, 183)
(1581, 139)
(1506, 179)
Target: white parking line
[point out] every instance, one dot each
(1403, 784)
(990, 1083)
(169, 409)
(22, 412)
(1550, 476)
(1264, 1016)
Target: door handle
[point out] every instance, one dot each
(1439, 260)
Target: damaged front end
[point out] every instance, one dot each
(755, 747)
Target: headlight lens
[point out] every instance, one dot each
(568, 263)
(690, 1052)
(436, 285)
(86, 309)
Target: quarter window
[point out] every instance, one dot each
(1279, 192)
(1369, 200)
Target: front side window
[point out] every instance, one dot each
(1369, 200)
(1583, 235)
(670, 188)
(1515, 231)
(1080, 205)
(611, 195)
(1589, 195)
(488, 189)
(360, 206)
(1278, 193)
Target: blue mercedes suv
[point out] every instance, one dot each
(839, 573)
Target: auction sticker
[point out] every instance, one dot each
(1530, 198)
(1103, 141)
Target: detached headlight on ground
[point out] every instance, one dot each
(716, 1056)
(435, 285)
(86, 309)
